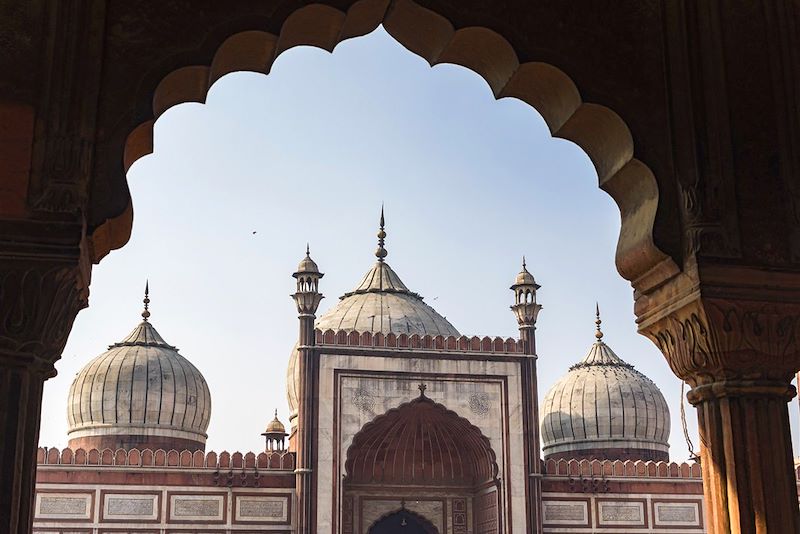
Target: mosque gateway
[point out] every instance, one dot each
(398, 423)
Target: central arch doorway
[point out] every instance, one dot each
(421, 467)
(403, 522)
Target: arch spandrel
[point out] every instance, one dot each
(599, 131)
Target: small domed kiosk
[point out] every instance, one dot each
(140, 393)
(275, 435)
(603, 408)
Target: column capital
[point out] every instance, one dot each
(712, 330)
(43, 286)
(40, 302)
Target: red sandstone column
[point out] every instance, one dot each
(38, 303)
(739, 356)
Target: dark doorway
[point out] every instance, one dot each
(403, 522)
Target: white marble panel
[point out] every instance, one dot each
(262, 508)
(63, 506)
(565, 512)
(140, 507)
(631, 513)
(677, 514)
(196, 507)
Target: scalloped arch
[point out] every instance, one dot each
(596, 129)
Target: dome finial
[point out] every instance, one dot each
(146, 312)
(524, 265)
(308, 250)
(597, 322)
(381, 253)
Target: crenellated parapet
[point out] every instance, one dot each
(620, 468)
(351, 338)
(273, 460)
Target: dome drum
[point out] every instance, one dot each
(609, 450)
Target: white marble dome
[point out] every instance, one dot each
(382, 303)
(139, 393)
(603, 408)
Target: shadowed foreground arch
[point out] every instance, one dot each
(598, 130)
(709, 193)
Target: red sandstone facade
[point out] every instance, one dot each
(95, 492)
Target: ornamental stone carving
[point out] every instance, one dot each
(40, 302)
(715, 339)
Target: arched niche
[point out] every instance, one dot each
(423, 458)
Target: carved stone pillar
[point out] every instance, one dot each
(738, 345)
(40, 299)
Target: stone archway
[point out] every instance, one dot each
(402, 522)
(711, 116)
(597, 129)
(424, 458)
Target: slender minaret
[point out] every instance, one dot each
(307, 297)
(526, 309)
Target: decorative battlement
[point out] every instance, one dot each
(277, 461)
(619, 468)
(351, 338)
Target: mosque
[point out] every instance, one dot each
(398, 423)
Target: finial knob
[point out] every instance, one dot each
(146, 312)
(422, 388)
(381, 253)
(599, 333)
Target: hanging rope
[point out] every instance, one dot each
(692, 454)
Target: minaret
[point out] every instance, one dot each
(526, 309)
(307, 297)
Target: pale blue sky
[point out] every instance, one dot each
(307, 154)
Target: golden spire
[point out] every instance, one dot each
(381, 253)
(599, 333)
(146, 312)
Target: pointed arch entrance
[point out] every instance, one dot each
(402, 522)
(427, 459)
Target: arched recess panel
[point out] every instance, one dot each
(420, 443)
(420, 457)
